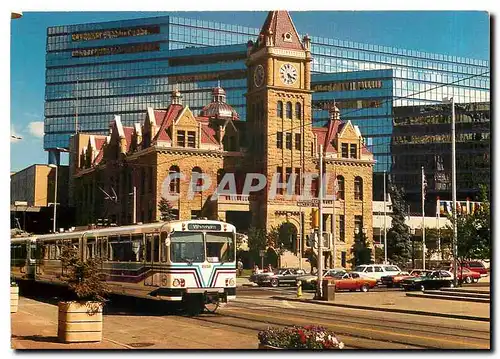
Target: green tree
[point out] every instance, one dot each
(166, 211)
(361, 253)
(473, 231)
(398, 236)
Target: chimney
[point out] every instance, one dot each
(176, 97)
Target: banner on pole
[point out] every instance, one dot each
(463, 207)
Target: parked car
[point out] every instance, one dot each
(353, 281)
(465, 275)
(281, 276)
(476, 266)
(309, 281)
(395, 280)
(376, 271)
(432, 280)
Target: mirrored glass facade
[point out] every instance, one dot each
(98, 70)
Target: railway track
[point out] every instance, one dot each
(356, 331)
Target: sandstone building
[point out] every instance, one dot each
(278, 137)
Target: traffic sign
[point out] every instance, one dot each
(262, 253)
(308, 203)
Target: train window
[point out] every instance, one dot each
(91, 248)
(187, 247)
(121, 249)
(138, 247)
(220, 247)
(153, 248)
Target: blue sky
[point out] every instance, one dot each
(460, 33)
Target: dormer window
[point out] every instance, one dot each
(287, 37)
(345, 150)
(354, 150)
(191, 139)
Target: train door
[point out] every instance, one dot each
(152, 258)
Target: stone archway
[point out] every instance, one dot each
(287, 237)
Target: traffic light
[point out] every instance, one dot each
(314, 218)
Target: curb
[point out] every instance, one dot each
(391, 310)
(443, 296)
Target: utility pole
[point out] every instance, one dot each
(55, 199)
(76, 108)
(334, 218)
(385, 223)
(301, 227)
(320, 231)
(454, 191)
(423, 218)
(134, 204)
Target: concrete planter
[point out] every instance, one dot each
(79, 322)
(14, 298)
(268, 347)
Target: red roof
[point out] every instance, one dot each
(208, 135)
(167, 118)
(99, 157)
(99, 142)
(129, 132)
(278, 23)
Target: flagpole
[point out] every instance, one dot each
(334, 219)
(385, 224)
(423, 218)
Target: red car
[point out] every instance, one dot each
(465, 275)
(476, 266)
(352, 282)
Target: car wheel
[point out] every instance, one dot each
(422, 288)
(365, 288)
(274, 282)
(468, 280)
(452, 285)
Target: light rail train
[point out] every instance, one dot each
(190, 261)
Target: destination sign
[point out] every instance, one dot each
(204, 227)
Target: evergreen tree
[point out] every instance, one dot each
(361, 253)
(398, 236)
(166, 211)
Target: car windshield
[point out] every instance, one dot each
(338, 274)
(359, 269)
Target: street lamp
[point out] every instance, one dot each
(55, 199)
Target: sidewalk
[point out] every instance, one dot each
(34, 326)
(398, 301)
(244, 281)
(30, 331)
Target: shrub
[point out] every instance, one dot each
(307, 337)
(82, 276)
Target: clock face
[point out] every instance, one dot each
(258, 76)
(288, 74)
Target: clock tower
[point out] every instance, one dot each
(279, 115)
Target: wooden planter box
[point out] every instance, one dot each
(268, 347)
(79, 322)
(14, 298)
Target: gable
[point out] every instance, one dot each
(186, 119)
(348, 132)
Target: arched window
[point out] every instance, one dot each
(279, 109)
(340, 187)
(358, 188)
(175, 184)
(196, 171)
(298, 111)
(288, 110)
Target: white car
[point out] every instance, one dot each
(376, 271)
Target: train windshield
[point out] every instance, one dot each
(187, 247)
(220, 247)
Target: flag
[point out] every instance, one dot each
(424, 184)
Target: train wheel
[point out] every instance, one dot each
(212, 307)
(194, 305)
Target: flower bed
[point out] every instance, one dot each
(307, 337)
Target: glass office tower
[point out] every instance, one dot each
(95, 71)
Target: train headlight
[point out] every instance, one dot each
(231, 282)
(176, 282)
